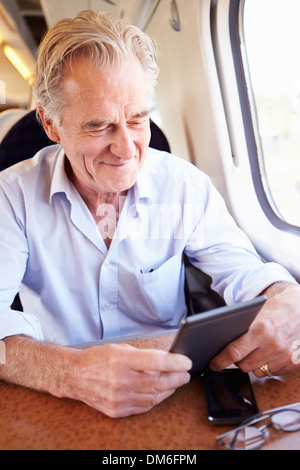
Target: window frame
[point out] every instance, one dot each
(250, 120)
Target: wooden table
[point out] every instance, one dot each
(34, 420)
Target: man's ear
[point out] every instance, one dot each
(48, 125)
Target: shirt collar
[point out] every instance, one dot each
(142, 189)
(60, 181)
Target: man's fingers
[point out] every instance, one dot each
(233, 353)
(157, 382)
(250, 357)
(157, 360)
(140, 403)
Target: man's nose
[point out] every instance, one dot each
(123, 145)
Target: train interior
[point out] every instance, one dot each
(204, 101)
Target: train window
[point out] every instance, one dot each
(271, 38)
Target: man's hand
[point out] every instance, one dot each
(120, 380)
(271, 336)
(116, 379)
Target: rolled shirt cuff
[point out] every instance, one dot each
(14, 323)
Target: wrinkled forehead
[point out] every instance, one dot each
(81, 75)
(101, 93)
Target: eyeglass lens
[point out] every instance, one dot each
(248, 438)
(287, 420)
(251, 437)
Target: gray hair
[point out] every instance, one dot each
(102, 39)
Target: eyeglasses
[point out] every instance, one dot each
(249, 437)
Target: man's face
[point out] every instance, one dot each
(105, 128)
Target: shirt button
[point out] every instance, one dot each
(107, 304)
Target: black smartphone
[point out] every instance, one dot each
(229, 396)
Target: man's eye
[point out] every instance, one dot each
(139, 123)
(101, 131)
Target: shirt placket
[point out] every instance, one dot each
(109, 278)
(108, 295)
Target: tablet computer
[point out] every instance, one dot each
(202, 336)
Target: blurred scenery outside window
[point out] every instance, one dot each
(272, 42)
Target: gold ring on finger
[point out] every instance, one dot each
(265, 369)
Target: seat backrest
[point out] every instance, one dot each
(8, 118)
(27, 137)
(22, 141)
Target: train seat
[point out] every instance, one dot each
(8, 118)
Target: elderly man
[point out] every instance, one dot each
(93, 230)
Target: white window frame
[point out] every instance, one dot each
(246, 193)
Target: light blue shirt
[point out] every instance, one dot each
(73, 289)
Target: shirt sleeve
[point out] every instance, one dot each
(223, 251)
(14, 256)
(14, 323)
